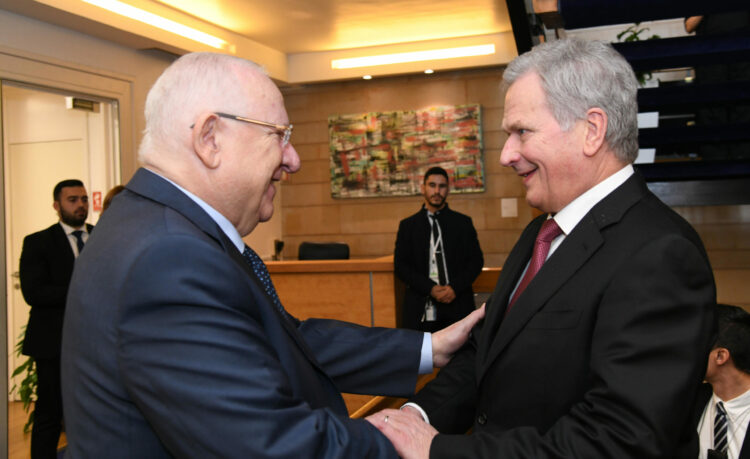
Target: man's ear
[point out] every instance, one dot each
(596, 131)
(722, 355)
(56, 206)
(206, 143)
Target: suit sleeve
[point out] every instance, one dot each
(647, 354)
(450, 399)
(404, 263)
(362, 360)
(40, 287)
(197, 360)
(471, 259)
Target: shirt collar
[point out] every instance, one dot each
(574, 212)
(225, 225)
(735, 406)
(431, 214)
(69, 229)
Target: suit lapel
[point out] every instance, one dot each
(62, 246)
(577, 247)
(155, 188)
(562, 264)
(511, 272)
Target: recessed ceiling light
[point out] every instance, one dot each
(367, 77)
(429, 71)
(152, 19)
(415, 56)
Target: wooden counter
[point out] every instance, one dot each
(360, 291)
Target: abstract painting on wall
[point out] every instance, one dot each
(387, 153)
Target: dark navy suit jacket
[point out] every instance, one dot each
(171, 347)
(45, 269)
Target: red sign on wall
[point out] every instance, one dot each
(96, 198)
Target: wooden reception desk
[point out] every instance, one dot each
(360, 291)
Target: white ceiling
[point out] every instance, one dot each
(296, 39)
(297, 26)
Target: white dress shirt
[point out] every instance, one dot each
(738, 415)
(72, 239)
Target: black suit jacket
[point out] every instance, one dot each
(598, 355)
(45, 269)
(172, 348)
(463, 257)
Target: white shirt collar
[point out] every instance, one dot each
(69, 229)
(574, 212)
(737, 406)
(220, 220)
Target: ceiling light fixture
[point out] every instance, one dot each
(152, 19)
(429, 71)
(415, 56)
(367, 77)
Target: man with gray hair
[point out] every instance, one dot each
(175, 342)
(596, 334)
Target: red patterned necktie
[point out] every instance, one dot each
(544, 239)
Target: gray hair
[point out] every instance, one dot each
(193, 84)
(578, 75)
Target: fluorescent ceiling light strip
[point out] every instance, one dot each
(138, 14)
(415, 56)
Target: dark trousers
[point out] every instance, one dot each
(45, 433)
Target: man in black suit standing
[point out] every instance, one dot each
(598, 329)
(438, 257)
(46, 266)
(722, 411)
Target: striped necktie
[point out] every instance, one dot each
(720, 429)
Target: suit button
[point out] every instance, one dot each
(482, 419)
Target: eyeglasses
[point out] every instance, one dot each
(284, 131)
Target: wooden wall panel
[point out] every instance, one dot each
(369, 225)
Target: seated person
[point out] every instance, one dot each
(724, 403)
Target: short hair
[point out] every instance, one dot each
(733, 333)
(435, 170)
(577, 75)
(194, 83)
(64, 184)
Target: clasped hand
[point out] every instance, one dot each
(443, 293)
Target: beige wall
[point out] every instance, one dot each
(369, 225)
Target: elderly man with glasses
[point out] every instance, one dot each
(175, 341)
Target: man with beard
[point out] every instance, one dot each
(46, 266)
(438, 258)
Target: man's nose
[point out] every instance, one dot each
(509, 155)
(290, 159)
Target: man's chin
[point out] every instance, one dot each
(265, 214)
(74, 222)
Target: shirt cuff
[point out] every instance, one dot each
(425, 359)
(418, 408)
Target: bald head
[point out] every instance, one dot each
(216, 125)
(194, 84)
